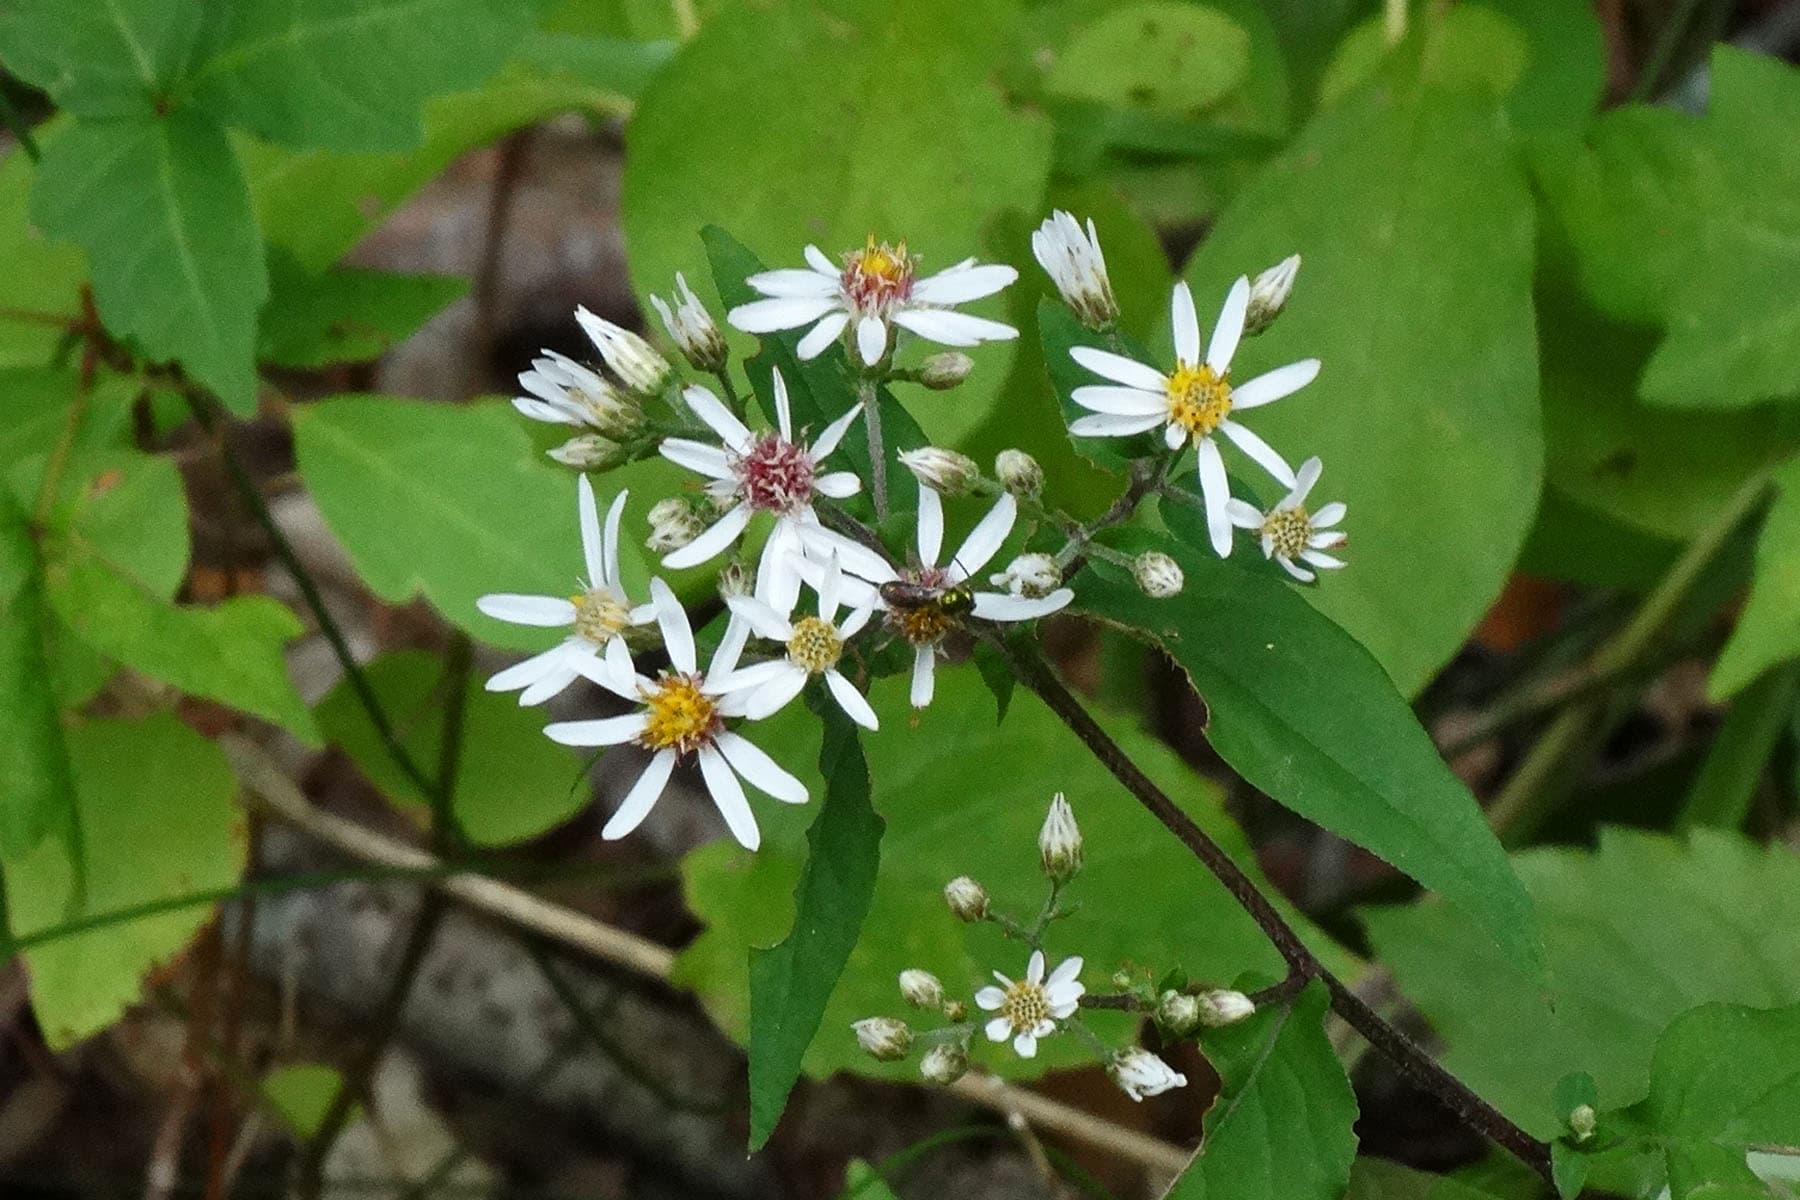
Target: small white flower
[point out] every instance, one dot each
(966, 898)
(1030, 1008)
(1077, 267)
(599, 612)
(692, 328)
(883, 1038)
(1157, 575)
(1019, 473)
(1140, 1073)
(1289, 532)
(921, 989)
(1031, 575)
(1059, 841)
(632, 359)
(563, 392)
(1193, 401)
(1269, 294)
(944, 1063)
(943, 471)
(814, 646)
(875, 289)
(683, 715)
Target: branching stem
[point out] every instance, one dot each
(870, 395)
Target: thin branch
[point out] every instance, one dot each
(870, 395)
(65, 441)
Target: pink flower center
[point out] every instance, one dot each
(877, 277)
(775, 475)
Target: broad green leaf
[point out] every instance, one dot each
(41, 277)
(791, 981)
(1742, 752)
(863, 1182)
(1281, 1128)
(111, 59)
(347, 314)
(860, 117)
(1307, 717)
(1380, 1179)
(512, 782)
(448, 501)
(154, 820)
(36, 403)
(1468, 47)
(1768, 631)
(1635, 933)
(1160, 55)
(1564, 76)
(1417, 299)
(301, 1094)
(161, 209)
(953, 769)
(36, 786)
(347, 74)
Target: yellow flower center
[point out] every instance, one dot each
(1199, 399)
(877, 276)
(678, 715)
(815, 645)
(599, 615)
(923, 626)
(1025, 1005)
(1289, 531)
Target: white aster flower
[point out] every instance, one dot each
(1076, 266)
(683, 715)
(563, 392)
(1289, 532)
(1030, 575)
(814, 645)
(876, 288)
(1030, 1008)
(1140, 1073)
(632, 359)
(692, 327)
(1192, 402)
(599, 612)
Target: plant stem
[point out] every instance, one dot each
(1412, 1061)
(870, 395)
(65, 441)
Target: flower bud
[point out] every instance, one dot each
(1140, 1073)
(1158, 576)
(672, 525)
(1030, 575)
(1122, 980)
(566, 393)
(944, 1063)
(1224, 1007)
(736, 579)
(1178, 1013)
(943, 471)
(1059, 842)
(637, 364)
(1583, 1122)
(692, 328)
(590, 452)
(1076, 266)
(883, 1038)
(921, 989)
(1019, 473)
(966, 898)
(955, 1010)
(1269, 295)
(941, 372)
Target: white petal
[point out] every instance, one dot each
(751, 677)
(957, 286)
(1329, 514)
(1115, 424)
(590, 532)
(821, 335)
(1230, 328)
(1034, 967)
(853, 624)
(924, 664)
(1243, 514)
(1066, 971)
(1294, 569)
(984, 541)
(1259, 451)
(555, 414)
(931, 526)
(1215, 489)
(609, 541)
(760, 770)
(1273, 385)
(1102, 398)
(953, 328)
(993, 606)
(820, 263)
(1120, 369)
(871, 339)
(728, 797)
(793, 281)
(830, 587)
(1305, 479)
(560, 677)
(527, 671)
(607, 731)
(784, 411)
(544, 611)
(718, 418)
(857, 559)
(710, 461)
(1174, 436)
(731, 647)
(767, 316)
(832, 434)
(1319, 559)
(1185, 324)
(722, 533)
(989, 998)
(761, 618)
(642, 797)
(999, 1029)
(776, 694)
(855, 706)
(672, 619)
(1025, 1045)
(838, 484)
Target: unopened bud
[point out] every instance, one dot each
(1059, 842)
(1122, 980)
(1019, 473)
(1178, 1013)
(1224, 1007)
(567, 393)
(590, 452)
(943, 471)
(692, 328)
(1158, 576)
(1140, 1073)
(1269, 294)
(1583, 1122)
(736, 579)
(966, 898)
(941, 372)
(955, 1010)
(637, 364)
(921, 989)
(883, 1038)
(944, 1063)
(1030, 575)
(1071, 257)
(672, 525)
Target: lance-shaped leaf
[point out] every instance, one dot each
(1768, 632)
(36, 788)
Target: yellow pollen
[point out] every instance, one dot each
(882, 261)
(678, 715)
(1198, 399)
(815, 645)
(1025, 1005)
(1289, 530)
(923, 626)
(599, 615)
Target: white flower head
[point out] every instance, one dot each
(563, 392)
(1030, 575)
(1157, 575)
(1269, 294)
(599, 613)
(883, 1038)
(1193, 401)
(1029, 1009)
(589, 452)
(682, 714)
(944, 1063)
(967, 899)
(943, 471)
(1140, 1073)
(692, 328)
(921, 989)
(1019, 473)
(876, 289)
(1073, 260)
(1290, 535)
(637, 364)
(814, 646)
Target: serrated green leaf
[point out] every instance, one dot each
(1159, 55)
(345, 315)
(1307, 717)
(791, 981)
(156, 820)
(100, 59)
(1281, 1128)
(37, 788)
(1768, 631)
(161, 208)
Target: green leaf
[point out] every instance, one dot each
(791, 981)
(448, 501)
(1307, 717)
(301, 1094)
(39, 790)
(1440, 376)
(101, 59)
(1742, 752)
(863, 1182)
(1379, 1179)
(1635, 933)
(154, 820)
(161, 209)
(1565, 70)
(1768, 631)
(1159, 55)
(512, 782)
(1281, 1128)
(1470, 47)
(345, 315)
(347, 74)
(958, 769)
(36, 401)
(42, 276)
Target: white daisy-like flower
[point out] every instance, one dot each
(632, 359)
(876, 289)
(1076, 266)
(683, 715)
(1140, 1073)
(767, 472)
(599, 612)
(1289, 532)
(1193, 401)
(814, 646)
(563, 392)
(1029, 1009)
